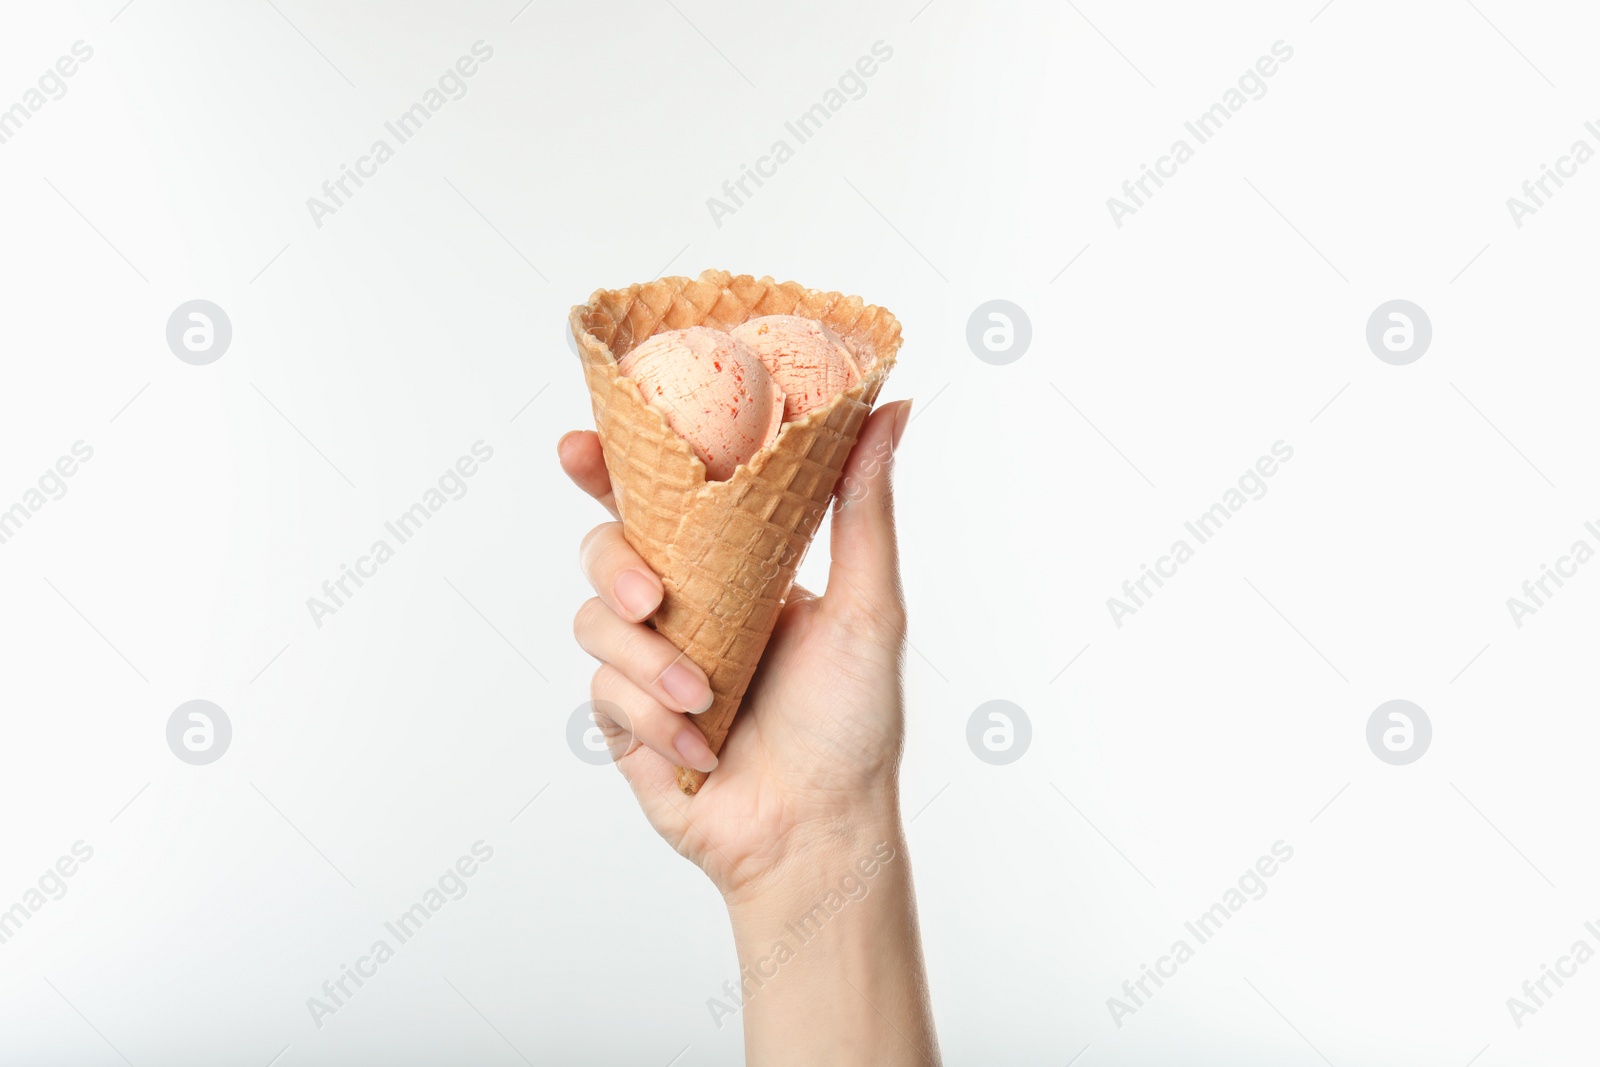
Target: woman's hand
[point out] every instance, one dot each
(810, 765)
(800, 825)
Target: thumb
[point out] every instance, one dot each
(864, 579)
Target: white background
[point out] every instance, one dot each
(427, 314)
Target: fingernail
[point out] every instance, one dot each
(637, 593)
(901, 418)
(685, 685)
(694, 751)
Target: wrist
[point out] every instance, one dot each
(835, 938)
(843, 855)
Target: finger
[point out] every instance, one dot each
(864, 578)
(618, 573)
(647, 771)
(652, 776)
(643, 656)
(654, 779)
(660, 729)
(585, 464)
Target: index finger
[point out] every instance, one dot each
(585, 464)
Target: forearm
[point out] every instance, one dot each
(831, 967)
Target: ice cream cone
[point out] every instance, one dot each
(726, 551)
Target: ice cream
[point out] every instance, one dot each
(728, 394)
(807, 360)
(726, 551)
(714, 391)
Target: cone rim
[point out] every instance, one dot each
(595, 352)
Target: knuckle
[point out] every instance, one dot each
(595, 542)
(609, 714)
(584, 622)
(643, 655)
(606, 684)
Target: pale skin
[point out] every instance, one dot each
(802, 806)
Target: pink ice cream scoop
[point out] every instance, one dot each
(807, 360)
(714, 391)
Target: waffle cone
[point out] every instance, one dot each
(726, 551)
